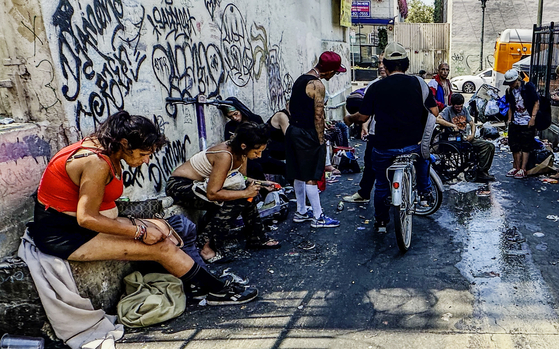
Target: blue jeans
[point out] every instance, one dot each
(382, 159)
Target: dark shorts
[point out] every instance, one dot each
(521, 138)
(305, 156)
(56, 233)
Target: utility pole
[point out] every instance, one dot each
(540, 11)
(482, 32)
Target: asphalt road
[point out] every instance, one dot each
(470, 280)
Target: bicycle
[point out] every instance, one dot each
(405, 201)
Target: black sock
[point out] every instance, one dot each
(202, 278)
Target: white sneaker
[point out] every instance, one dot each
(355, 198)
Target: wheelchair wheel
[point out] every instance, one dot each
(449, 160)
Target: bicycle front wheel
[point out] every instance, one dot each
(403, 215)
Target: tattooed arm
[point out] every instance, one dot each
(315, 90)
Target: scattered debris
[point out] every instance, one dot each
(553, 217)
(446, 316)
(539, 235)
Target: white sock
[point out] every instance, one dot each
(314, 198)
(301, 196)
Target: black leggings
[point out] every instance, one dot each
(220, 219)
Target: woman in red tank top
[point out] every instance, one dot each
(76, 217)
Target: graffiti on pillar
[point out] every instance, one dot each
(458, 63)
(99, 55)
(237, 49)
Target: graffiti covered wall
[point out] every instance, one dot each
(132, 55)
(69, 64)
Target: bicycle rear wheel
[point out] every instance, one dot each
(403, 215)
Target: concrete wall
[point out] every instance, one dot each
(72, 63)
(465, 18)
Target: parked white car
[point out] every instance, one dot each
(470, 83)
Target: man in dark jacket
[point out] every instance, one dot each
(524, 104)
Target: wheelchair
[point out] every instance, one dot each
(451, 155)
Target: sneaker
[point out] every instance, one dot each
(325, 222)
(231, 294)
(426, 199)
(520, 174)
(298, 218)
(380, 227)
(355, 198)
(197, 292)
(512, 172)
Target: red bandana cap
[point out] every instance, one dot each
(329, 61)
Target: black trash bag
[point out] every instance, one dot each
(543, 117)
(489, 132)
(537, 156)
(349, 164)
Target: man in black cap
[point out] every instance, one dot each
(398, 105)
(304, 139)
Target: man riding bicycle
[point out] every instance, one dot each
(398, 105)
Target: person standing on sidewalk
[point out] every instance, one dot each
(305, 145)
(441, 87)
(363, 195)
(524, 105)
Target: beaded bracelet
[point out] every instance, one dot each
(141, 232)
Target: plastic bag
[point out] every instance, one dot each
(492, 107)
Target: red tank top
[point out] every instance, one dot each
(57, 190)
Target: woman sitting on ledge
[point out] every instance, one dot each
(214, 180)
(76, 216)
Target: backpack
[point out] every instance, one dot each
(429, 125)
(543, 117)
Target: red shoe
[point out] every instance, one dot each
(512, 172)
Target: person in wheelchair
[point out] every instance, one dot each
(457, 117)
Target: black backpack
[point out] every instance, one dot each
(543, 117)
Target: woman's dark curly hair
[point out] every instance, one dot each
(139, 131)
(251, 134)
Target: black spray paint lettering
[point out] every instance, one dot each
(211, 5)
(188, 70)
(160, 167)
(116, 70)
(174, 21)
(237, 50)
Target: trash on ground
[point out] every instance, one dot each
(541, 247)
(203, 302)
(446, 317)
(550, 180)
(360, 228)
(539, 235)
(553, 217)
(465, 187)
